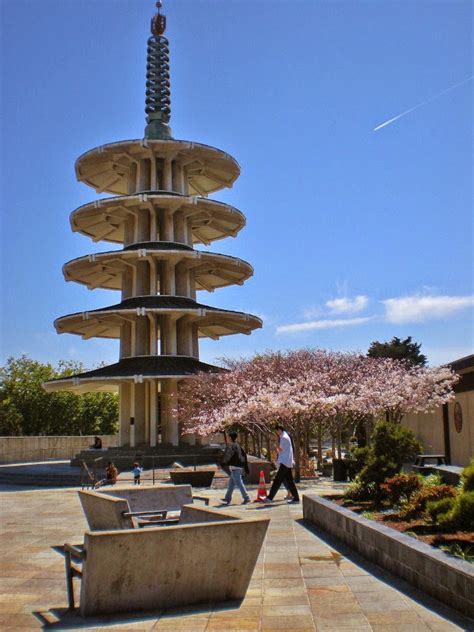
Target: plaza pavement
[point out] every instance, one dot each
(302, 582)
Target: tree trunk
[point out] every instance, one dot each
(297, 442)
(268, 445)
(320, 446)
(339, 440)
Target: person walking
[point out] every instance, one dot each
(285, 462)
(236, 460)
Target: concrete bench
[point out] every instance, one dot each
(208, 556)
(131, 507)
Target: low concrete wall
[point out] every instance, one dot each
(449, 580)
(26, 449)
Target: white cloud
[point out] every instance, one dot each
(321, 324)
(348, 305)
(309, 313)
(419, 308)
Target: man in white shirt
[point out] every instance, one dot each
(285, 462)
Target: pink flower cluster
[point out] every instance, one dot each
(309, 386)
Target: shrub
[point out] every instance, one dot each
(437, 508)
(461, 515)
(417, 503)
(391, 446)
(467, 477)
(360, 458)
(431, 479)
(466, 554)
(403, 485)
(356, 491)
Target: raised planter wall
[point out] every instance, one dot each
(27, 449)
(449, 580)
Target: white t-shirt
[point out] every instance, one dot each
(285, 457)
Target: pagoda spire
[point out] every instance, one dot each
(158, 93)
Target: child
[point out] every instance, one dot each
(137, 470)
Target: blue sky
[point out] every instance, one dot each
(354, 235)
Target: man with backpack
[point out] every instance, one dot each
(235, 460)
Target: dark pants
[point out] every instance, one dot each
(284, 474)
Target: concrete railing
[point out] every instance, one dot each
(30, 449)
(448, 579)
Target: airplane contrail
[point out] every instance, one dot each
(415, 107)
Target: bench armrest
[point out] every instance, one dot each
(75, 551)
(203, 498)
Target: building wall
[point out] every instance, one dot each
(25, 449)
(428, 427)
(462, 443)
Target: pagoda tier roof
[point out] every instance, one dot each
(106, 168)
(104, 269)
(212, 322)
(105, 219)
(136, 369)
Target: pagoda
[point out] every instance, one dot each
(159, 211)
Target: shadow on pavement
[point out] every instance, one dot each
(387, 578)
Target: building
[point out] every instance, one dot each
(159, 212)
(450, 429)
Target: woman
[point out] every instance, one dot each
(111, 474)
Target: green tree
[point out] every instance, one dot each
(398, 350)
(10, 419)
(27, 409)
(391, 446)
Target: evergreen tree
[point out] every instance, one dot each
(398, 350)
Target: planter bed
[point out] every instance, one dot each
(448, 579)
(415, 527)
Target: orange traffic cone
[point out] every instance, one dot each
(262, 489)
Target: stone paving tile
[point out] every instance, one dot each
(292, 622)
(329, 601)
(336, 609)
(278, 600)
(285, 582)
(326, 589)
(325, 581)
(286, 611)
(341, 621)
(244, 612)
(390, 606)
(250, 623)
(393, 617)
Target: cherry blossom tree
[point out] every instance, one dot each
(308, 389)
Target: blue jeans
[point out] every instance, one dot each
(235, 480)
